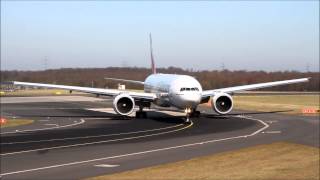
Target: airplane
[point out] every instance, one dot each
(167, 90)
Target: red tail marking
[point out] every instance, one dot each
(153, 66)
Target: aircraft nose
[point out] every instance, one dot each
(192, 98)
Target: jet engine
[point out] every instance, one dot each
(123, 104)
(222, 103)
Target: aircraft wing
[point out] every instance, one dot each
(252, 86)
(125, 80)
(99, 91)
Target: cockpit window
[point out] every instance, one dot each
(182, 89)
(188, 89)
(193, 89)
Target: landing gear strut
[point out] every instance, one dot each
(188, 114)
(191, 113)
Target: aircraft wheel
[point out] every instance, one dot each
(187, 120)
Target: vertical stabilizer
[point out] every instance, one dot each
(153, 66)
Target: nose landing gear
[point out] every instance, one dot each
(187, 120)
(190, 113)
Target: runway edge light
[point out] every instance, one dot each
(310, 111)
(3, 121)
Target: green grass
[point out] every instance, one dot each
(277, 103)
(16, 122)
(283, 161)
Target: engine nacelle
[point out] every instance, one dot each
(222, 103)
(123, 104)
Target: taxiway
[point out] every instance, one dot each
(79, 138)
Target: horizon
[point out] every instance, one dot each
(162, 68)
(250, 36)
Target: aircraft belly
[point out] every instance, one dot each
(163, 102)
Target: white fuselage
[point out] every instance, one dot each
(180, 91)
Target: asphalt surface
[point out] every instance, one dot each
(70, 140)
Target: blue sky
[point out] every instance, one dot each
(250, 35)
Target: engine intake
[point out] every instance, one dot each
(123, 104)
(222, 103)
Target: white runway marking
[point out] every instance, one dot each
(111, 111)
(44, 120)
(144, 152)
(106, 165)
(98, 142)
(41, 129)
(272, 132)
(95, 136)
(270, 122)
(51, 124)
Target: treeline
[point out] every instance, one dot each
(208, 79)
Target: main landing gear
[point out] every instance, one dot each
(141, 113)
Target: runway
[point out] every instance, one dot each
(80, 138)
